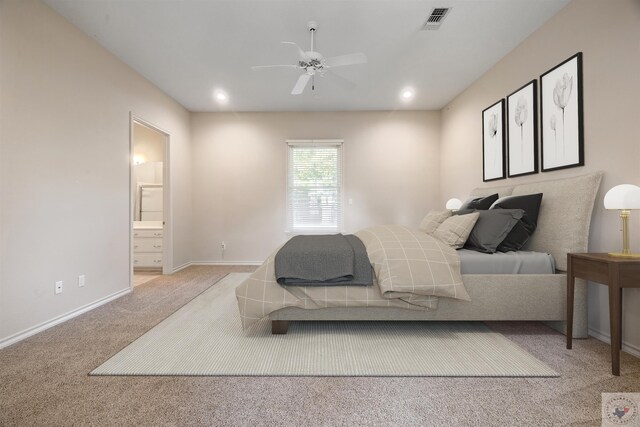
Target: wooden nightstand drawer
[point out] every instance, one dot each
(590, 270)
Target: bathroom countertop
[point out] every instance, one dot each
(147, 225)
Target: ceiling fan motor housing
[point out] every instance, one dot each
(314, 62)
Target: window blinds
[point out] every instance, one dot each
(314, 186)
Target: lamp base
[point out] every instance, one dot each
(623, 255)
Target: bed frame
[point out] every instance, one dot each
(563, 227)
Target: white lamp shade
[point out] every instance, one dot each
(453, 204)
(625, 196)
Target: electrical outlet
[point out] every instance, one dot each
(81, 280)
(223, 246)
(58, 288)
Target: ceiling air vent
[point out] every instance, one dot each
(435, 19)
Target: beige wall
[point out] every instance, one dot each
(240, 164)
(608, 32)
(64, 166)
(64, 186)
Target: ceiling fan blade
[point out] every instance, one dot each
(301, 52)
(350, 59)
(343, 80)
(301, 84)
(257, 67)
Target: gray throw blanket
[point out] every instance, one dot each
(323, 260)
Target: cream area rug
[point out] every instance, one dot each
(204, 337)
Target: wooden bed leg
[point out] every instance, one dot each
(279, 327)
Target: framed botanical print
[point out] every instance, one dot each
(562, 129)
(493, 142)
(522, 130)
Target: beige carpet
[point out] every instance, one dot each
(142, 277)
(44, 379)
(205, 338)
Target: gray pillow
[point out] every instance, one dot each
(492, 227)
(523, 230)
(479, 203)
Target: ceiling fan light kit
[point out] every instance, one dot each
(312, 63)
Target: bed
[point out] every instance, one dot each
(563, 227)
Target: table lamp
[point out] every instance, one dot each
(453, 204)
(624, 198)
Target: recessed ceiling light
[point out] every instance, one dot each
(221, 96)
(407, 94)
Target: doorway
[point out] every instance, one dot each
(149, 202)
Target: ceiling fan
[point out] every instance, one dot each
(314, 64)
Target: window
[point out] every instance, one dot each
(314, 186)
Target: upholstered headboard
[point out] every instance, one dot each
(565, 213)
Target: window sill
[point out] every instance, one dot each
(312, 231)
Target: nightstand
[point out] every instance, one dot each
(616, 273)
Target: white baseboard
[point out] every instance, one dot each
(227, 262)
(12, 339)
(605, 337)
(182, 267)
(189, 264)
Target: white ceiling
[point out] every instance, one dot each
(191, 48)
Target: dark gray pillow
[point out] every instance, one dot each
(491, 228)
(480, 203)
(523, 230)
